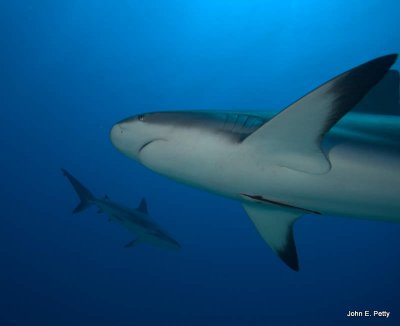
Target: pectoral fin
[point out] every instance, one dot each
(293, 138)
(275, 225)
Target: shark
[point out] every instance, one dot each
(312, 157)
(136, 220)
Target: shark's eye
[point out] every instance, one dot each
(140, 117)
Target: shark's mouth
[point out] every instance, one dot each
(148, 143)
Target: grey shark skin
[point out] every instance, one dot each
(305, 159)
(136, 220)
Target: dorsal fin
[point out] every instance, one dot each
(143, 206)
(293, 137)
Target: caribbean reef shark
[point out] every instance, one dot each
(303, 160)
(136, 220)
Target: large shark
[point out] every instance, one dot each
(300, 161)
(136, 220)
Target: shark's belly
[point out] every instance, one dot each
(362, 183)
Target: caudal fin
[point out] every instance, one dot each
(84, 194)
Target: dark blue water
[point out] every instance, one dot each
(70, 69)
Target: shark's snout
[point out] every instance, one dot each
(124, 139)
(116, 134)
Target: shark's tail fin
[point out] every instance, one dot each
(84, 194)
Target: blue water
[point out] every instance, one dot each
(70, 69)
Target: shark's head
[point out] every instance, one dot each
(133, 135)
(161, 239)
(180, 144)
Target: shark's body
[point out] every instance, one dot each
(282, 166)
(136, 220)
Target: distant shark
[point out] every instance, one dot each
(136, 220)
(282, 166)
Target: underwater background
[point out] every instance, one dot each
(70, 69)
